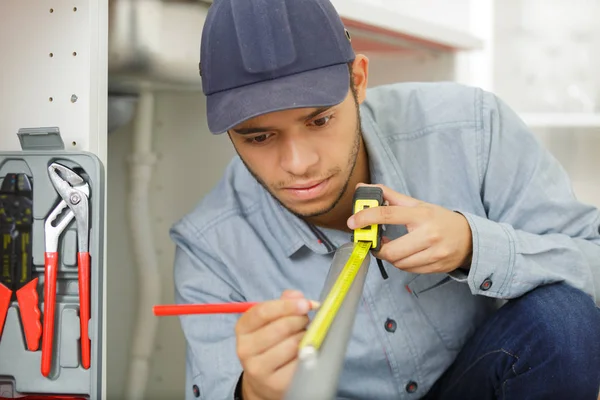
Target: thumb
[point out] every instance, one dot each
(394, 198)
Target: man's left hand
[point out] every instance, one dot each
(438, 240)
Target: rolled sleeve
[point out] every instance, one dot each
(194, 389)
(534, 231)
(493, 257)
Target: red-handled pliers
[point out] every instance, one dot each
(74, 191)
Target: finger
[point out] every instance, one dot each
(279, 355)
(292, 294)
(433, 268)
(425, 258)
(403, 247)
(385, 215)
(394, 198)
(273, 333)
(268, 311)
(296, 294)
(282, 377)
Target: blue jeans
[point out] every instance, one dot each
(543, 345)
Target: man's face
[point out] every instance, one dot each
(303, 157)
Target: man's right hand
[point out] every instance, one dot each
(268, 336)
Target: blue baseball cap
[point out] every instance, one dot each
(261, 56)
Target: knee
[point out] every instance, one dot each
(561, 305)
(565, 327)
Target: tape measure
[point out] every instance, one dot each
(365, 239)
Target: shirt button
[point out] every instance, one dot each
(196, 391)
(411, 387)
(390, 325)
(486, 284)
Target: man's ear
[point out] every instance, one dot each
(360, 74)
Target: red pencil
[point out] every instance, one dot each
(215, 308)
(219, 308)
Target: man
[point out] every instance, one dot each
(478, 211)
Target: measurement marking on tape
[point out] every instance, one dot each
(317, 330)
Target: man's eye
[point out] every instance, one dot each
(322, 121)
(259, 138)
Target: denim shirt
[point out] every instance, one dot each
(443, 143)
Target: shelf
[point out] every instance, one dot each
(561, 120)
(155, 43)
(377, 28)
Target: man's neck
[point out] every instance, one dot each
(337, 218)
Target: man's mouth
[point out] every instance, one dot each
(306, 186)
(307, 190)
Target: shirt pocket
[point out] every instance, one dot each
(449, 307)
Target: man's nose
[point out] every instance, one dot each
(298, 157)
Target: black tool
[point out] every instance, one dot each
(16, 262)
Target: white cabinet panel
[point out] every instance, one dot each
(53, 71)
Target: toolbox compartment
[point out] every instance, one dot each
(20, 368)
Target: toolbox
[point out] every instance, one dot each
(51, 270)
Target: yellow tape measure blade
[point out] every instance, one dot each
(318, 329)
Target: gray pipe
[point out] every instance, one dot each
(318, 378)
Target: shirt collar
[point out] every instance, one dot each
(293, 233)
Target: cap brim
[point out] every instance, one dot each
(317, 88)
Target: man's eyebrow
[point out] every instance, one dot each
(260, 129)
(250, 131)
